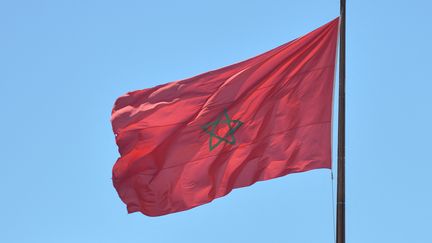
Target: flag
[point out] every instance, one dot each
(185, 143)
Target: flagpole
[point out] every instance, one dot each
(340, 215)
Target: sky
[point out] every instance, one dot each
(64, 63)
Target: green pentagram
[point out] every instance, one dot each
(229, 138)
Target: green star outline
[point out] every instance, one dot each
(230, 132)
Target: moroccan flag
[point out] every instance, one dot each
(185, 143)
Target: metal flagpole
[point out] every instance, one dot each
(340, 215)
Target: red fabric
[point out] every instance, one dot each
(274, 114)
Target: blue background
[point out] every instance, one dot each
(63, 64)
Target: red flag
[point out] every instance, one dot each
(185, 143)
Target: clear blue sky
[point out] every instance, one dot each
(63, 64)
